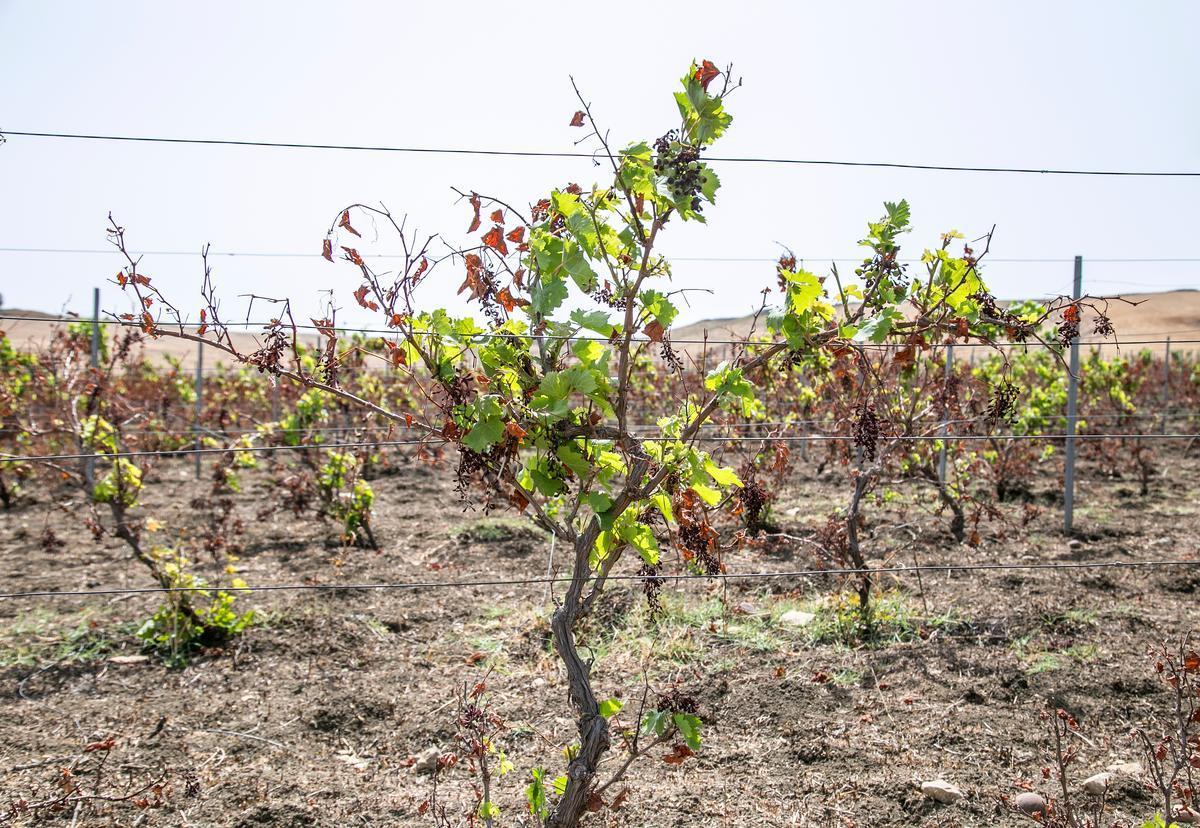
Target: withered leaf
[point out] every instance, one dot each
(678, 754)
(577, 119)
(344, 221)
(361, 296)
(475, 222)
(327, 249)
(655, 331)
(495, 240)
(506, 300)
(498, 216)
(706, 72)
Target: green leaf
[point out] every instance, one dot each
(710, 496)
(640, 537)
(547, 485)
(600, 502)
(560, 785)
(689, 728)
(535, 793)
(611, 707)
(547, 294)
(804, 289)
(489, 810)
(722, 476)
(573, 460)
(656, 722)
(484, 434)
(659, 306)
(596, 320)
(663, 502)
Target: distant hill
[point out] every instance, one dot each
(30, 335)
(1173, 313)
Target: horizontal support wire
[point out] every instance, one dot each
(228, 142)
(367, 428)
(729, 576)
(266, 254)
(766, 438)
(572, 337)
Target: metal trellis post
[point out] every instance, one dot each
(1166, 384)
(943, 429)
(89, 465)
(1072, 412)
(199, 400)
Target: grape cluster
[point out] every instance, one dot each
(676, 701)
(674, 363)
(1017, 329)
(680, 164)
(753, 499)
(866, 430)
(1003, 404)
(652, 585)
(1068, 329)
(607, 296)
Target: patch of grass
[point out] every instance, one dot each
(1038, 659)
(495, 530)
(1069, 620)
(40, 637)
(839, 620)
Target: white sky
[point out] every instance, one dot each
(1028, 84)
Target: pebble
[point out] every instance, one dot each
(939, 790)
(1030, 803)
(796, 618)
(1125, 768)
(1186, 817)
(128, 659)
(427, 761)
(1096, 785)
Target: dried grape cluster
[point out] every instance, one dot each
(1002, 407)
(674, 363)
(696, 536)
(607, 296)
(1068, 329)
(268, 357)
(652, 584)
(753, 498)
(676, 701)
(866, 430)
(1016, 328)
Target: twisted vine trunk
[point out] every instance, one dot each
(593, 728)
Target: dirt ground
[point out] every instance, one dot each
(315, 716)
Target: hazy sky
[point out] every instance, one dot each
(1029, 84)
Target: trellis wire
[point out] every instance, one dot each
(531, 581)
(231, 142)
(579, 337)
(766, 438)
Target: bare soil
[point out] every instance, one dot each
(315, 716)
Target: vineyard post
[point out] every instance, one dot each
(199, 400)
(89, 465)
(1072, 401)
(1166, 383)
(943, 429)
(805, 428)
